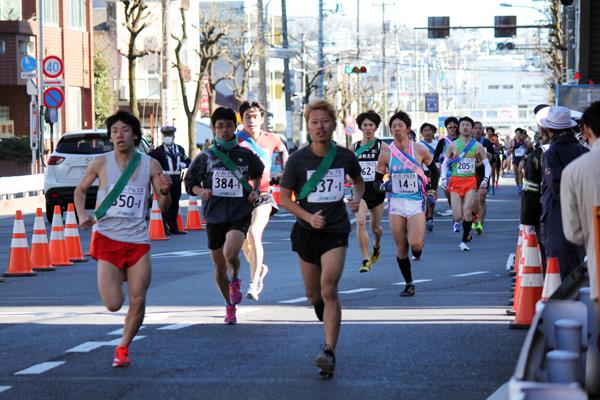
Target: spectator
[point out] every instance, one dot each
(580, 192)
(564, 148)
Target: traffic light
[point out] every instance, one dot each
(355, 69)
(438, 27)
(505, 25)
(506, 46)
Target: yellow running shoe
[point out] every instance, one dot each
(375, 255)
(366, 266)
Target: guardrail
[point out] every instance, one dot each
(21, 186)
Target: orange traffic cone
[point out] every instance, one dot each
(91, 246)
(58, 247)
(40, 251)
(157, 229)
(519, 259)
(552, 280)
(531, 284)
(18, 260)
(518, 250)
(275, 191)
(193, 222)
(180, 227)
(72, 236)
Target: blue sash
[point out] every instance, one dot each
(463, 153)
(257, 149)
(431, 149)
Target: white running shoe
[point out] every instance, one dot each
(253, 292)
(463, 246)
(263, 272)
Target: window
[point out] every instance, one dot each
(50, 12)
(10, 10)
(492, 87)
(74, 109)
(4, 113)
(77, 14)
(507, 86)
(2, 46)
(526, 86)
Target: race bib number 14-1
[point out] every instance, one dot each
(329, 189)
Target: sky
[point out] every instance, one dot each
(414, 13)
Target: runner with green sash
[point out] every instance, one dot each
(119, 186)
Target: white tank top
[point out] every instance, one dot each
(126, 221)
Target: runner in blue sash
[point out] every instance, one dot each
(451, 125)
(406, 188)
(427, 132)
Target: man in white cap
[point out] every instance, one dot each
(173, 160)
(564, 148)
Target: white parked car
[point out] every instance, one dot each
(68, 162)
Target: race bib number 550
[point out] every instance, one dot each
(129, 204)
(329, 189)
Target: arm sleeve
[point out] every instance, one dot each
(572, 224)
(488, 168)
(434, 175)
(195, 173)
(439, 149)
(378, 181)
(444, 169)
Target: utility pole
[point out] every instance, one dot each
(289, 131)
(358, 94)
(262, 64)
(164, 60)
(384, 74)
(40, 81)
(320, 56)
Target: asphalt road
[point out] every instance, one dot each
(450, 341)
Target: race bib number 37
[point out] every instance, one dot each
(329, 189)
(224, 184)
(129, 204)
(367, 170)
(405, 183)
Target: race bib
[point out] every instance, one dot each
(367, 170)
(130, 203)
(329, 189)
(224, 184)
(519, 151)
(405, 183)
(465, 166)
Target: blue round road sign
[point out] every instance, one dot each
(28, 64)
(54, 97)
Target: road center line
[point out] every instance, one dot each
(174, 327)
(415, 281)
(40, 368)
(357, 290)
(119, 332)
(471, 273)
(4, 388)
(89, 346)
(292, 301)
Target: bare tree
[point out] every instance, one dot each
(137, 18)
(555, 54)
(211, 33)
(241, 62)
(341, 91)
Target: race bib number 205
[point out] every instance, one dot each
(329, 189)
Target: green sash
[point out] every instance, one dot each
(320, 172)
(364, 148)
(119, 186)
(231, 167)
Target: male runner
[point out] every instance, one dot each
(427, 132)
(367, 151)
(219, 175)
(480, 203)
(518, 147)
(263, 144)
(406, 187)
(451, 124)
(316, 173)
(461, 157)
(121, 242)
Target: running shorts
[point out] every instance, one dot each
(373, 197)
(462, 184)
(405, 208)
(216, 232)
(311, 244)
(267, 198)
(122, 255)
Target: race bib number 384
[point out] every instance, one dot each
(129, 204)
(224, 184)
(329, 189)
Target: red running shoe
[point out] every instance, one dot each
(121, 359)
(235, 295)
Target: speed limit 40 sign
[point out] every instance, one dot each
(53, 67)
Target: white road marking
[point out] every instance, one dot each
(267, 242)
(292, 301)
(152, 317)
(357, 290)
(415, 281)
(510, 261)
(4, 388)
(40, 368)
(281, 220)
(471, 273)
(89, 346)
(184, 253)
(174, 327)
(119, 332)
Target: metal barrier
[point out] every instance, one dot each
(21, 186)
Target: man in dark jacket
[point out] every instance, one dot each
(173, 160)
(564, 148)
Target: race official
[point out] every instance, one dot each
(173, 160)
